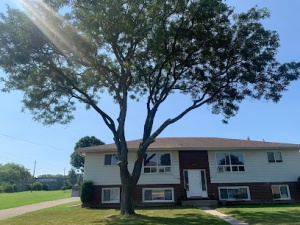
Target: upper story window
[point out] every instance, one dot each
(110, 159)
(274, 157)
(157, 163)
(230, 162)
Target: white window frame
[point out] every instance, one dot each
(158, 189)
(282, 185)
(275, 161)
(157, 167)
(111, 201)
(235, 199)
(111, 164)
(230, 166)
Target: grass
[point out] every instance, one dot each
(265, 214)
(146, 216)
(10, 200)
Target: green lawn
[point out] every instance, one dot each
(79, 216)
(10, 200)
(265, 214)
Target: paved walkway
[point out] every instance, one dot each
(8, 213)
(222, 216)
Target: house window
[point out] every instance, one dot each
(274, 157)
(230, 162)
(234, 193)
(110, 195)
(281, 192)
(110, 159)
(157, 163)
(158, 195)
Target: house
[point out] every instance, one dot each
(177, 170)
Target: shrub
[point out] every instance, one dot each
(68, 184)
(86, 191)
(45, 187)
(38, 186)
(8, 188)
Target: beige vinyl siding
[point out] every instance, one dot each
(258, 169)
(96, 171)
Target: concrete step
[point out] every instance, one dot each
(200, 203)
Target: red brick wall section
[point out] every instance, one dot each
(262, 192)
(259, 192)
(138, 196)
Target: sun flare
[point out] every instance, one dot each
(59, 31)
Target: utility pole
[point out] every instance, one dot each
(33, 179)
(34, 168)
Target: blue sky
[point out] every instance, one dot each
(23, 140)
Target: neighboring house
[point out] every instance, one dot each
(53, 183)
(181, 169)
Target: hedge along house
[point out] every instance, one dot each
(181, 170)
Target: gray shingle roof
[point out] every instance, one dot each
(197, 143)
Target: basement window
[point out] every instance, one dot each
(234, 193)
(281, 192)
(110, 195)
(158, 195)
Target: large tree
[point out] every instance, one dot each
(13, 173)
(77, 161)
(64, 52)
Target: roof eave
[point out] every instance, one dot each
(95, 150)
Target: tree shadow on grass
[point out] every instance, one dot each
(268, 215)
(161, 218)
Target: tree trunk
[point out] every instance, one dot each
(129, 181)
(127, 196)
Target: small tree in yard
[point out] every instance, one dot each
(77, 161)
(136, 48)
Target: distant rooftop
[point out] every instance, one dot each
(196, 143)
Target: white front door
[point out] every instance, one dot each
(196, 183)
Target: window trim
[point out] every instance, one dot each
(163, 189)
(110, 188)
(274, 157)
(157, 166)
(280, 185)
(110, 161)
(234, 187)
(231, 171)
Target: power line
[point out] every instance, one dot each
(31, 142)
